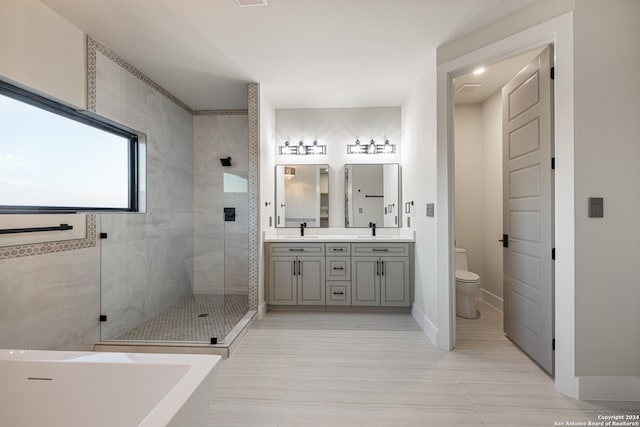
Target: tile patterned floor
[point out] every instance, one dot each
(352, 369)
(182, 322)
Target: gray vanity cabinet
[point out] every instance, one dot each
(338, 274)
(376, 274)
(381, 275)
(296, 274)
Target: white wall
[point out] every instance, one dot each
(43, 51)
(267, 185)
(478, 192)
(335, 128)
(469, 198)
(492, 200)
(419, 184)
(607, 158)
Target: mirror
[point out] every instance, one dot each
(302, 195)
(372, 194)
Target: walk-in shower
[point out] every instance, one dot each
(180, 272)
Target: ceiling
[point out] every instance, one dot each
(492, 80)
(304, 53)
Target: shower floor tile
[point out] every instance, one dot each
(197, 318)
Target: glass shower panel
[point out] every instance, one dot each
(236, 247)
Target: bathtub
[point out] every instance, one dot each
(69, 389)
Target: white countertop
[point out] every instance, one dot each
(292, 235)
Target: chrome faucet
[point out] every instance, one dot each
(372, 225)
(302, 227)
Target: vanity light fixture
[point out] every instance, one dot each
(301, 149)
(371, 148)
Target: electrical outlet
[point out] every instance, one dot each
(431, 210)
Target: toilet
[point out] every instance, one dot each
(467, 286)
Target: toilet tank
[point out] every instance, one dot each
(461, 259)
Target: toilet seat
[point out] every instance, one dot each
(466, 276)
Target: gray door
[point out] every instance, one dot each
(394, 281)
(311, 284)
(365, 288)
(282, 281)
(527, 125)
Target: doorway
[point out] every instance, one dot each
(503, 189)
(559, 32)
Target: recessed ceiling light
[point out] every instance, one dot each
(252, 3)
(478, 71)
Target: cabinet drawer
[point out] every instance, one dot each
(338, 268)
(338, 293)
(338, 249)
(304, 249)
(380, 249)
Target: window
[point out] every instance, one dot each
(56, 159)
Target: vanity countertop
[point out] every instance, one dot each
(350, 238)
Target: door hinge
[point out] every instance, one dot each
(553, 163)
(553, 73)
(553, 344)
(553, 254)
(103, 235)
(214, 340)
(103, 317)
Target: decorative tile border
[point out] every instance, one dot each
(254, 188)
(20, 251)
(220, 112)
(92, 47)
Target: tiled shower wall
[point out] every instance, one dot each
(147, 259)
(220, 264)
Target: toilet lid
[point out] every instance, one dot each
(466, 276)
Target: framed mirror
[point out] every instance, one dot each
(372, 195)
(302, 195)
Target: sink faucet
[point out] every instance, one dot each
(302, 227)
(372, 225)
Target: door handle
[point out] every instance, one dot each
(377, 268)
(380, 250)
(382, 268)
(338, 293)
(504, 240)
(293, 265)
(338, 268)
(299, 268)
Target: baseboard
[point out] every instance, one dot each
(609, 388)
(492, 299)
(423, 321)
(262, 310)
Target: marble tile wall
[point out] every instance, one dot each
(53, 306)
(220, 248)
(147, 259)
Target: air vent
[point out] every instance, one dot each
(252, 3)
(467, 88)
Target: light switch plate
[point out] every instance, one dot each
(431, 210)
(596, 207)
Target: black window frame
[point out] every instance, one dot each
(89, 119)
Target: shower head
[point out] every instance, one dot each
(226, 162)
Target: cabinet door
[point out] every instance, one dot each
(365, 281)
(282, 281)
(395, 281)
(311, 286)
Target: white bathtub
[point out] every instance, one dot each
(69, 389)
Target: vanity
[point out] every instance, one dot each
(323, 255)
(338, 271)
